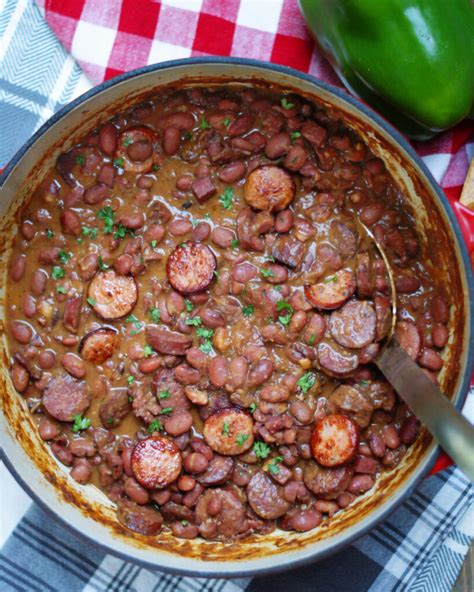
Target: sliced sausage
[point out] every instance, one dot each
(229, 431)
(220, 514)
(335, 440)
(99, 345)
(333, 291)
(168, 342)
(156, 462)
(114, 408)
(266, 497)
(112, 296)
(327, 482)
(269, 188)
(219, 471)
(351, 401)
(354, 324)
(336, 360)
(190, 267)
(203, 189)
(72, 313)
(64, 397)
(408, 337)
(142, 519)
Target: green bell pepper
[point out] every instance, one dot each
(412, 60)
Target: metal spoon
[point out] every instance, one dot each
(451, 429)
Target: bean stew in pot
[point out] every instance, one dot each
(193, 313)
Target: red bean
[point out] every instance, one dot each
(326, 507)
(430, 359)
(201, 231)
(134, 220)
(145, 182)
(184, 530)
(187, 375)
(38, 282)
(196, 463)
(135, 491)
(21, 332)
(261, 372)
(306, 520)
(179, 227)
(171, 140)
(47, 359)
(198, 445)
(244, 272)
(218, 371)
(161, 497)
(298, 321)
(345, 499)
(440, 335)
(409, 430)
(295, 158)
(284, 221)
(439, 309)
(48, 429)
(123, 264)
(233, 172)
(222, 237)
(391, 437)
(81, 470)
(74, 365)
(377, 445)
(70, 222)
(155, 232)
(17, 268)
(29, 306)
(186, 483)
(184, 183)
(302, 412)
(238, 369)
(371, 213)
(149, 365)
(108, 138)
(20, 377)
(279, 274)
(197, 359)
(212, 318)
(361, 483)
(127, 461)
(407, 284)
(27, 230)
(278, 145)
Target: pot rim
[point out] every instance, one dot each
(421, 471)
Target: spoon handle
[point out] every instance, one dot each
(451, 429)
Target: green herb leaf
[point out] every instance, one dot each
(156, 167)
(286, 104)
(226, 198)
(102, 266)
(127, 141)
(193, 321)
(189, 305)
(107, 215)
(364, 383)
(204, 333)
(80, 423)
(285, 319)
(130, 379)
(252, 407)
(164, 395)
(241, 438)
(273, 467)
(80, 160)
(61, 290)
(266, 273)
(122, 231)
(227, 121)
(49, 233)
(248, 311)
(153, 243)
(57, 273)
(89, 232)
(234, 243)
(155, 314)
(225, 428)
(294, 136)
(207, 217)
(184, 522)
(312, 339)
(206, 347)
(330, 279)
(166, 411)
(118, 162)
(306, 381)
(133, 319)
(203, 124)
(91, 301)
(148, 351)
(261, 450)
(155, 426)
(64, 257)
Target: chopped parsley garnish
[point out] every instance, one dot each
(241, 438)
(80, 160)
(306, 381)
(91, 301)
(286, 104)
(130, 379)
(64, 257)
(107, 215)
(148, 351)
(227, 121)
(195, 222)
(225, 428)
(312, 339)
(122, 231)
(193, 321)
(166, 411)
(102, 266)
(49, 233)
(153, 243)
(206, 347)
(79, 240)
(248, 311)
(285, 319)
(61, 290)
(203, 124)
(164, 395)
(364, 383)
(273, 467)
(234, 243)
(189, 305)
(156, 167)
(118, 162)
(127, 141)
(330, 279)
(261, 450)
(155, 314)
(133, 319)
(252, 407)
(207, 217)
(226, 198)
(57, 273)
(294, 136)
(184, 522)
(266, 273)
(155, 426)
(80, 423)
(89, 232)
(204, 333)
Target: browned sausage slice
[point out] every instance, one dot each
(142, 519)
(64, 397)
(332, 291)
(334, 440)
(327, 483)
(168, 342)
(99, 345)
(190, 267)
(112, 296)
(266, 497)
(408, 337)
(220, 514)
(354, 324)
(269, 188)
(335, 360)
(114, 408)
(144, 138)
(229, 431)
(218, 472)
(156, 462)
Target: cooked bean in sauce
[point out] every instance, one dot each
(194, 312)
